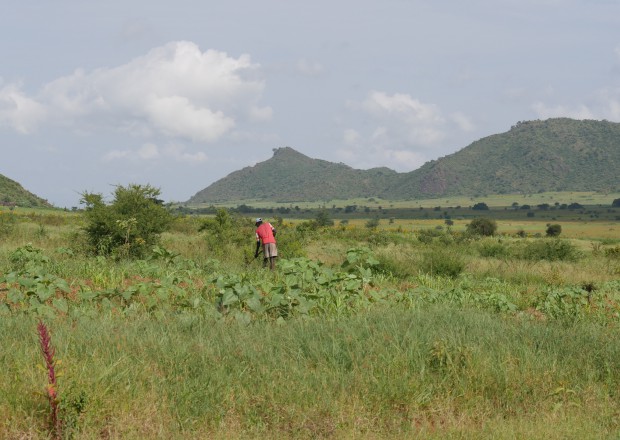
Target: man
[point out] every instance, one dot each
(266, 234)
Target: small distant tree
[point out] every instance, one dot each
(616, 203)
(481, 206)
(322, 218)
(482, 226)
(554, 230)
(373, 223)
(129, 225)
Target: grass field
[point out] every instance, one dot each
(413, 329)
(492, 200)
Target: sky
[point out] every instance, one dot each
(178, 94)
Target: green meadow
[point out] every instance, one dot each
(402, 328)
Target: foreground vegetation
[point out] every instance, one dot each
(362, 331)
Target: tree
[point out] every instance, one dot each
(372, 223)
(616, 203)
(482, 226)
(481, 206)
(554, 230)
(129, 225)
(322, 218)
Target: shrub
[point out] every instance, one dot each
(482, 226)
(426, 236)
(322, 218)
(551, 250)
(373, 223)
(554, 230)
(493, 249)
(613, 252)
(7, 223)
(443, 263)
(129, 225)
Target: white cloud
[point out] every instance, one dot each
(605, 104)
(148, 151)
(351, 137)
(175, 90)
(178, 153)
(116, 154)
(18, 111)
(404, 119)
(402, 106)
(309, 68)
(543, 111)
(361, 156)
(463, 122)
(397, 131)
(151, 152)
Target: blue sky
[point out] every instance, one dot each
(179, 94)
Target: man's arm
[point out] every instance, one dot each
(257, 248)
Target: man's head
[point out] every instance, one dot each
(259, 221)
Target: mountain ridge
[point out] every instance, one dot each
(559, 154)
(13, 194)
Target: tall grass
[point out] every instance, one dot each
(434, 372)
(455, 358)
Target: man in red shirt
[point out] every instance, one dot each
(266, 234)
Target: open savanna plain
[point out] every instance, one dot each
(401, 327)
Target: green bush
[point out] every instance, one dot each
(372, 223)
(443, 263)
(482, 226)
(493, 249)
(550, 250)
(613, 252)
(7, 223)
(554, 230)
(427, 236)
(130, 225)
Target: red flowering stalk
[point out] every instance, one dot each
(45, 342)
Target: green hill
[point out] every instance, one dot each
(552, 155)
(13, 194)
(292, 176)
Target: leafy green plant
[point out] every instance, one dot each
(129, 225)
(482, 226)
(553, 230)
(493, 249)
(549, 249)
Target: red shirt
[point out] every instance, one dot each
(264, 233)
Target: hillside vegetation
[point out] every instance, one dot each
(290, 176)
(535, 156)
(13, 194)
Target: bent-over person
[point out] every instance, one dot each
(266, 235)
